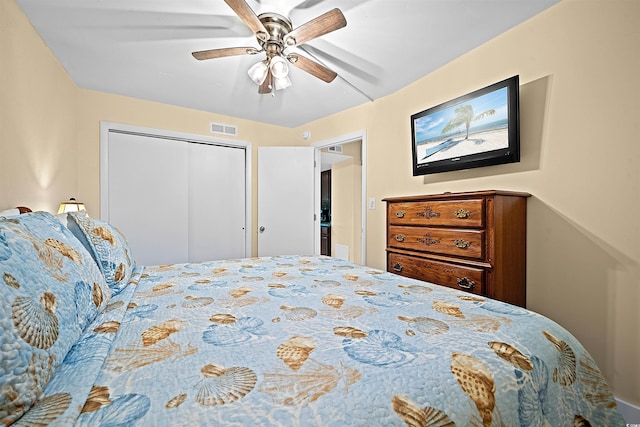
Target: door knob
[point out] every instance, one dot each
(261, 229)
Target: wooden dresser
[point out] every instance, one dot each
(474, 241)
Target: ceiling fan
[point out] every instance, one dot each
(275, 34)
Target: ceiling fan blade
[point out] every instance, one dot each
(323, 24)
(347, 61)
(221, 53)
(266, 86)
(242, 9)
(312, 67)
(305, 48)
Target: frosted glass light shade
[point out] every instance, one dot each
(279, 67)
(258, 72)
(282, 82)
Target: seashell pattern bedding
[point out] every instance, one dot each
(307, 341)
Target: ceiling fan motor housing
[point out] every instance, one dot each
(278, 27)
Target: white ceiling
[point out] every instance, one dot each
(142, 49)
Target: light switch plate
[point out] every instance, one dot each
(372, 203)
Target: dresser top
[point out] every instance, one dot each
(447, 195)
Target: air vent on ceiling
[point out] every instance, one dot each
(223, 129)
(335, 149)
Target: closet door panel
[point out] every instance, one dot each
(216, 202)
(148, 196)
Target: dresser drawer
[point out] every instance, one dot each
(451, 275)
(463, 243)
(455, 213)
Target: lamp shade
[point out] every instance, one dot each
(71, 205)
(281, 83)
(279, 67)
(258, 72)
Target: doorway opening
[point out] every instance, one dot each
(341, 199)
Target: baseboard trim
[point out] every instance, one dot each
(631, 413)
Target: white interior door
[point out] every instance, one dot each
(286, 201)
(216, 202)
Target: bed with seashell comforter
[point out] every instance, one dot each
(91, 339)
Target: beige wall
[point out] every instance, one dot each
(38, 120)
(578, 67)
(580, 121)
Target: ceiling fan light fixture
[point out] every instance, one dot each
(258, 72)
(275, 34)
(279, 67)
(281, 82)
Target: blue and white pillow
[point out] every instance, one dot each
(50, 290)
(108, 247)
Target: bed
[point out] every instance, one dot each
(92, 339)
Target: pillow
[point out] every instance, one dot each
(10, 212)
(50, 290)
(108, 247)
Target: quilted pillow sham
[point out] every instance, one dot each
(108, 247)
(10, 212)
(50, 291)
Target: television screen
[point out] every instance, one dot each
(474, 130)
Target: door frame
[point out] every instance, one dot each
(106, 127)
(361, 136)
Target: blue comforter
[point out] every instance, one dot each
(317, 341)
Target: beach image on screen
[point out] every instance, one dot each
(470, 127)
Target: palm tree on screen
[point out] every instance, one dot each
(464, 116)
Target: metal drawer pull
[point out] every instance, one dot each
(462, 213)
(428, 213)
(397, 267)
(461, 243)
(428, 240)
(465, 283)
(400, 214)
(399, 238)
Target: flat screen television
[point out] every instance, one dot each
(481, 128)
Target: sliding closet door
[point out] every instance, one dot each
(148, 195)
(176, 200)
(216, 202)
